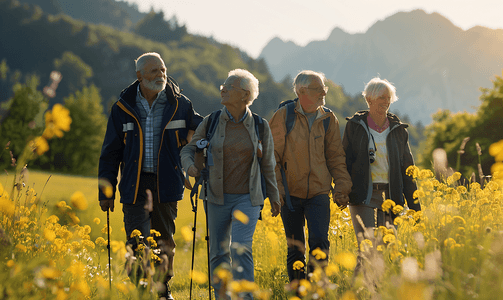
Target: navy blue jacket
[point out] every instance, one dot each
(123, 145)
(356, 142)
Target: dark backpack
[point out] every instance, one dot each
(290, 115)
(289, 123)
(259, 130)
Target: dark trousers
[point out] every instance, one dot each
(159, 216)
(316, 211)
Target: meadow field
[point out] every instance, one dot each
(53, 246)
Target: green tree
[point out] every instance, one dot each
(78, 151)
(23, 120)
(483, 127)
(75, 71)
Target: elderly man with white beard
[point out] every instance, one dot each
(147, 128)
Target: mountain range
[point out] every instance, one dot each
(433, 63)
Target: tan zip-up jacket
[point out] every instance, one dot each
(311, 159)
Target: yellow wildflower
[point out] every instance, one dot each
(106, 188)
(318, 254)
(82, 287)
(101, 241)
(21, 248)
(496, 150)
(50, 273)
(461, 189)
(152, 241)
(57, 121)
(10, 263)
(397, 209)
(389, 238)
(135, 233)
(346, 260)
(97, 221)
(186, 233)
(418, 194)
(365, 245)
(155, 233)
(412, 171)
(331, 269)
(79, 201)
(199, 277)
(224, 274)
(53, 219)
(305, 283)
(349, 295)
(105, 229)
(453, 178)
(398, 221)
(39, 145)
(241, 217)
(62, 204)
(88, 244)
(492, 186)
(49, 234)
(235, 286)
(7, 206)
(248, 286)
(458, 220)
(449, 242)
(298, 265)
(387, 204)
(423, 174)
(74, 218)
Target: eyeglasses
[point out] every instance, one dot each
(229, 87)
(319, 90)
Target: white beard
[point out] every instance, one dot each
(153, 85)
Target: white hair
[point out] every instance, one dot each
(247, 81)
(304, 79)
(142, 60)
(375, 86)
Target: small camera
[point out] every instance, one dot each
(372, 155)
(201, 144)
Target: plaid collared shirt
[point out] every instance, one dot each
(151, 119)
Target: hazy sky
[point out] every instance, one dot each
(250, 25)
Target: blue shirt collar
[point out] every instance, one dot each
(232, 118)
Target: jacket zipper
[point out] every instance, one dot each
(159, 152)
(140, 159)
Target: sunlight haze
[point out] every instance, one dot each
(250, 27)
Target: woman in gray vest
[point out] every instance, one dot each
(237, 159)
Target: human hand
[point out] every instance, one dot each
(341, 200)
(281, 201)
(107, 204)
(194, 171)
(275, 208)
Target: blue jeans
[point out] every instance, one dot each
(230, 240)
(317, 213)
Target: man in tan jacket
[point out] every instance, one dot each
(309, 154)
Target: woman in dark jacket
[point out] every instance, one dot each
(377, 155)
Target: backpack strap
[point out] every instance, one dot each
(290, 117)
(212, 124)
(259, 130)
(326, 122)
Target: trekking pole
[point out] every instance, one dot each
(207, 238)
(108, 246)
(194, 209)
